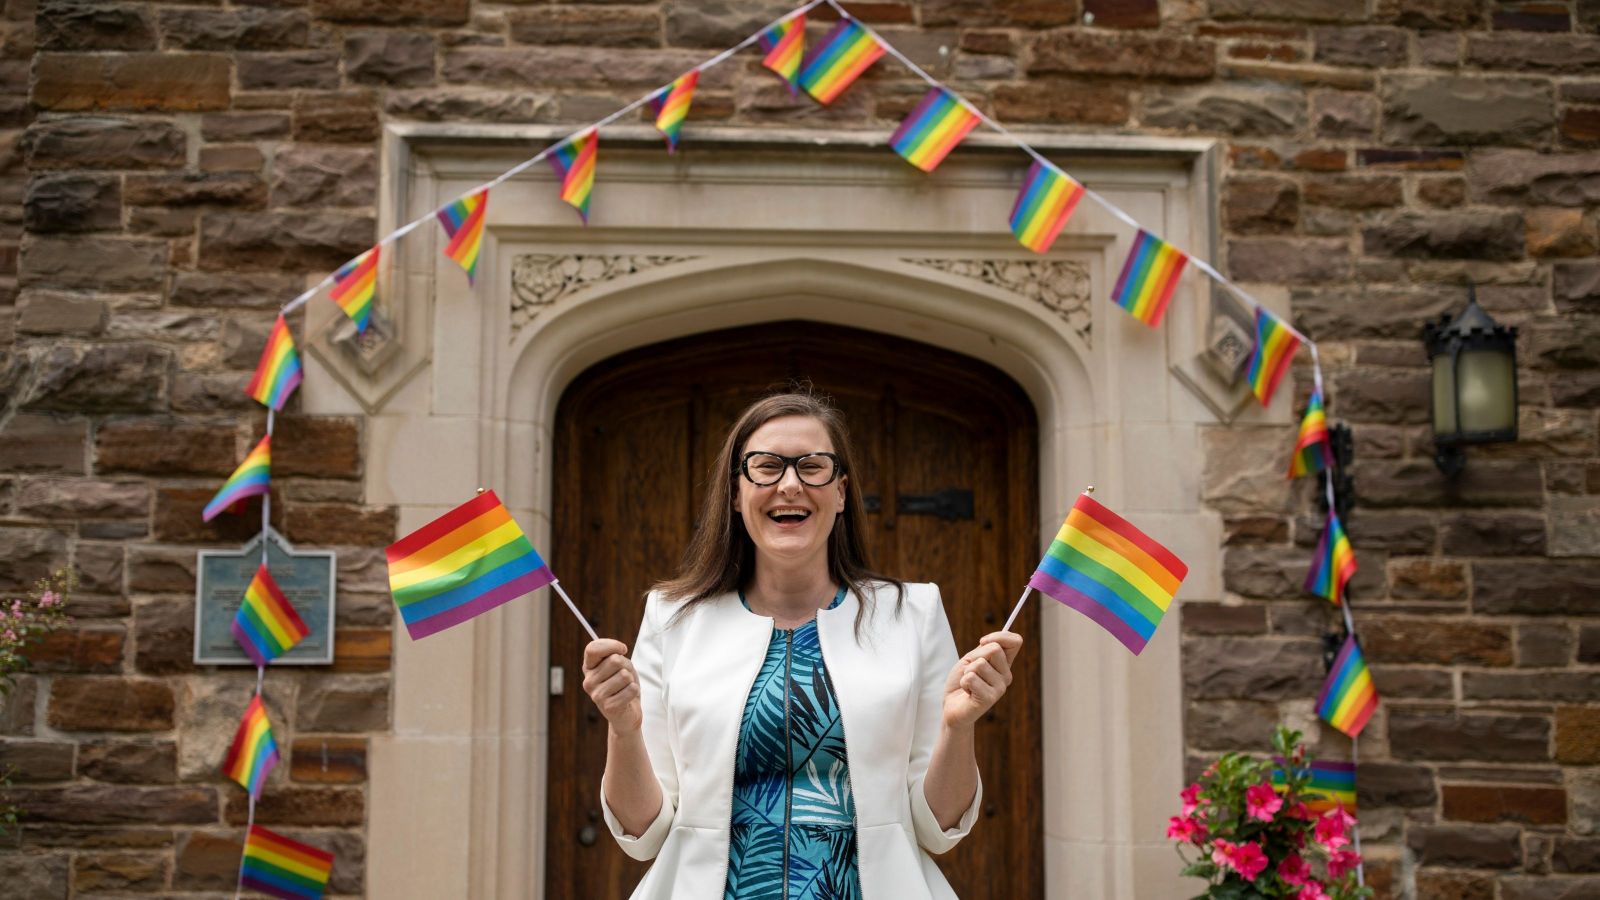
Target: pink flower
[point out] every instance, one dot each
(1330, 830)
(1222, 853)
(1191, 798)
(49, 599)
(1186, 828)
(1248, 860)
(1261, 801)
(1342, 861)
(1294, 870)
(9, 635)
(1298, 810)
(1311, 891)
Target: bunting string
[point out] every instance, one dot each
(1042, 223)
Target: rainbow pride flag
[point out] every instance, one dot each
(463, 224)
(1275, 347)
(1348, 697)
(278, 373)
(466, 562)
(253, 752)
(1148, 278)
(1333, 783)
(1110, 571)
(1312, 451)
(266, 625)
(847, 51)
(1334, 563)
(1044, 204)
(574, 161)
(355, 287)
(785, 43)
(933, 129)
(671, 106)
(283, 868)
(251, 478)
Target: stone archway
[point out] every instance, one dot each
(457, 788)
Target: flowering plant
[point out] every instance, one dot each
(1251, 839)
(23, 621)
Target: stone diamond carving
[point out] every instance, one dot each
(540, 279)
(1059, 285)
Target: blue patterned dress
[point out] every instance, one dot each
(793, 835)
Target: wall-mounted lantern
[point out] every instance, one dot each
(1474, 382)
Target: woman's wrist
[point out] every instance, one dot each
(965, 731)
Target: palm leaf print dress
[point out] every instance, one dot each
(793, 834)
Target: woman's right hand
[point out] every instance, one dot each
(611, 682)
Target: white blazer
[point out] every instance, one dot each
(694, 678)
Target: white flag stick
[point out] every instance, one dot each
(1018, 608)
(574, 607)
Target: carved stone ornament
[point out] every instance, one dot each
(1216, 375)
(540, 279)
(1059, 285)
(369, 349)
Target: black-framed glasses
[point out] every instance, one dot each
(764, 469)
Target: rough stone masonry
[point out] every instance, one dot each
(175, 171)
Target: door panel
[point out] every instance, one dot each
(932, 429)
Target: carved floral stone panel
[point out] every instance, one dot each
(1059, 285)
(540, 279)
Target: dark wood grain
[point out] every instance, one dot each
(634, 436)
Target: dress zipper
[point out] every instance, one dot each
(855, 819)
(788, 748)
(733, 770)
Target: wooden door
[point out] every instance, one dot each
(946, 462)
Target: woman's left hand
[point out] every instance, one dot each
(979, 679)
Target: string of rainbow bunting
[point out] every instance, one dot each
(1045, 202)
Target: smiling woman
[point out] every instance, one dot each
(791, 724)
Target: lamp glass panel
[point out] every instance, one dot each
(1487, 384)
(1444, 394)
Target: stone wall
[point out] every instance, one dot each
(178, 171)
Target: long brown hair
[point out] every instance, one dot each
(721, 557)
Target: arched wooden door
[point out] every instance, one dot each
(947, 465)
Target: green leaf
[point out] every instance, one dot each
(1199, 870)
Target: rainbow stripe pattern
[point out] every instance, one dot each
(266, 625)
(1269, 361)
(574, 160)
(1334, 563)
(1333, 784)
(355, 287)
(933, 129)
(1103, 567)
(278, 373)
(1044, 204)
(847, 51)
(1148, 278)
(466, 562)
(671, 105)
(251, 478)
(1348, 697)
(1312, 451)
(253, 752)
(785, 44)
(463, 224)
(283, 868)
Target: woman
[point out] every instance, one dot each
(791, 724)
